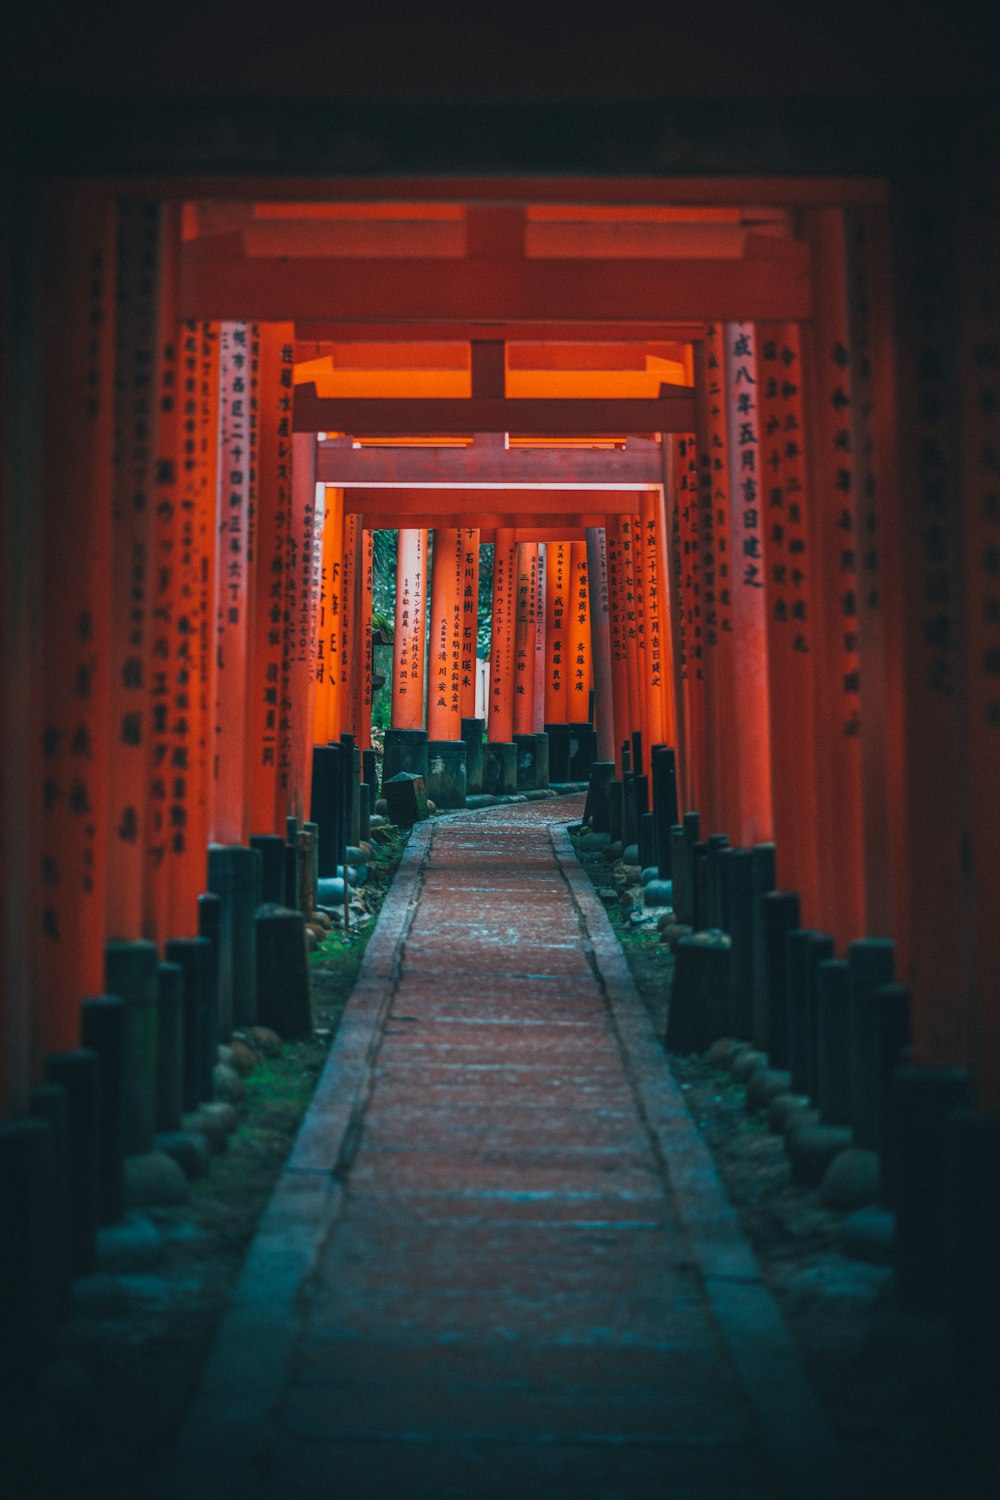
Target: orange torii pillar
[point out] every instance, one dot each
(303, 589)
(680, 498)
(500, 755)
(326, 665)
(348, 621)
(446, 750)
(620, 692)
(600, 646)
(581, 675)
(193, 720)
(538, 712)
(556, 691)
(656, 592)
(532, 763)
(473, 726)
(720, 809)
(633, 639)
(834, 598)
(406, 740)
(752, 806)
(77, 267)
(163, 856)
(784, 492)
(363, 672)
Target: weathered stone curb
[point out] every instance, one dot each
(795, 1428)
(229, 1425)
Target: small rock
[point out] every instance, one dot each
(133, 1244)
(781, 1107)
(267, 1042)
(312, 941)
(375, 820)
(764, 1085)
(853, 1180)
(614, 850)
(227, 1084)
(244, 1058)
(745, 1063)
(812, 1147)
(320, 919)
(868, 1235)
(631, 872)
(630, 855)
(381, 809)
(658, 892)
(355, 854)
(722, 1052)
(592, 843)
(651, 872)
(215, 1121)
(673, 932)
(153, 1179)
(431, 806)
(607, 894)
(189, 1150)
(331, 891)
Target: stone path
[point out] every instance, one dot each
(500, 1264)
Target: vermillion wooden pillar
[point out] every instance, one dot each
(557, 561)
(876, 517)
(690, 631)
(470, 618)
(673, 463)
(77, 273)
(500, 719)
(274, 492)
(192, 716)
(363, 692)
(579, 640)
(979, 281)
(659, 663)
(238, 374)
(408, 646)
(719, 793)
(538, 712)
(753, 823)
(162, 855)
(788, 564)
(524, 638)
(600, 642)
(635, 561)
(620, 690)
(348, 634)
(835, 595)
(633, 634)
(444, 677)
(136, 338)
(326, 663)
(303, 586)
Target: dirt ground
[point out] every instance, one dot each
(110, 1401)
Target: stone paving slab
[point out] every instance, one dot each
(500, 1263)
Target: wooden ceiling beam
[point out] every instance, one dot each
(637, 465)
(447, 504)
(535, 416)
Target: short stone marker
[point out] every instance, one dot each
(406, 798)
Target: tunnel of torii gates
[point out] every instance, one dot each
(741, 483)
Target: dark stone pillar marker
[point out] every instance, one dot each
(499, 768)
(473, 731)
(891, 1007)
(103, 1030)
(922, 1100)
(308, 868)
(802, 952)
(48, 1102)
(581, 751)
(292, 863)
(29, 1294)
(246, 899)
(871, 965)
(701, 915)
(559, 753)
(972, 1215)
(404, 750)
(542, 757)
(210, 928)
(832, 1097)
(369, 773)
(271, 848)
(282, 972)
(715, 914)
(762, 884)
(781, 916)
(616, 810)
(326, 808)
(598, 797)
(526, 747)
(195, 956)
(220, 884)
(699, 1005)
(735, 867)
(130, 970)
(170, 1048)
(663, 770)
(78, 1074)
(447, 782)
(647, 841)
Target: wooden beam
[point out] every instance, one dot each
(480, 467)
(543, 522)
(537, 416)
(219, 281)
(329, 330)
(448, 503)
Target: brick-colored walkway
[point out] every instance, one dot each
(508, 1296)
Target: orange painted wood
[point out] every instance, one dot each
(219, 281)
(500, 709)
(835, 608)
(551, 527)
(303, 591)
(600, 643)
(490, 466)
(416, 415)
(274, 498)
(136, 336)
(236, 523)
(579, 636)
(876, 519)
(349, 623)
(979, 279)
(408, 644)
(719, 789)
(162, 855)
(752, 808)
(523, 718)
(681, 500)
(69, 765)
(326, 660)
(618, 627)
(785, 500)
(191, 711)
(363, 691)
(450, 504)
(444, 667)
(660, 716)
(557, 579)
(538, 701)
(643, 684)
(470, 619)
